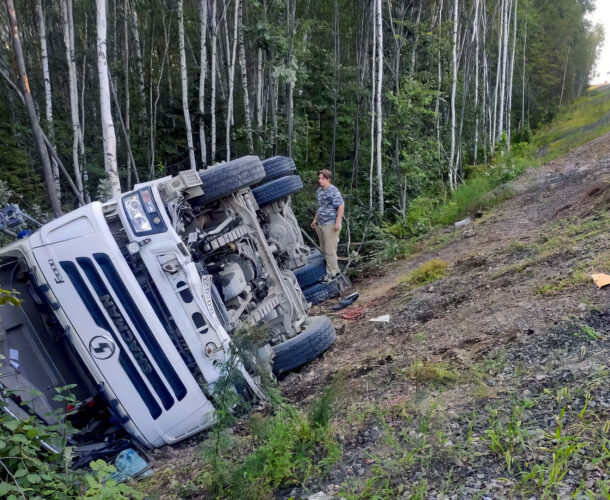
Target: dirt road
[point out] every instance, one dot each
(515, 322)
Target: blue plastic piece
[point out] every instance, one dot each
(129, 464)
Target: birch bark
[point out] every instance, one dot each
(139, 64)
(214, 36)
(378, 105)
(502, 103)
(66, 10)
(510, 78)
(291, 7)
(109, 138)
(42, 31)
(454, 67)
(31, 109)
(244, 80)
(203, 66)
(229, 120)
(373, 94)
(475, 34)
(184, 80)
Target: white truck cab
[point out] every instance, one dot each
(134, 301)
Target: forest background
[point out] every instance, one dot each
(417, 107)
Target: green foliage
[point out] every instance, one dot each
(101, 486)
(287, 448)
(427, 272)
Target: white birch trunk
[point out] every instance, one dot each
(232, 55)
(291, 6)
(136, 39)
(125, 122)
(378, 104)
(48, 96)
(522, 123)
(66, 10)
(502, 103)
(203, 66)
(259, 90)
(498, 72)
(184, 80)
(373, 94)
(476, 80)
(415, 37)
(440, 79)
(244, 81)
(214, 36)
(109, 138)
(454, 64)
(510, 78)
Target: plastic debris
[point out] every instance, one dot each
(346, 301)
(601, 280)
(463, 222)
(381, 319)
(128, 465)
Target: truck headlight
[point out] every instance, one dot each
(136, 214)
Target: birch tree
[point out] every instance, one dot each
(373, 95)
(48, 97)
(454, 70)
(139, 63)
(504, 64)
(475, 35)
(232, 56)
(37, 133)
(378, 103)
(77, 137)
(213, 36)
(244, 80)
(184, 80)
(203, 66)
(510, 77)
(108, 135)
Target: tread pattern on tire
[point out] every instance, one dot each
(277, 189)
(320, 292)
(278, 166)
(311, 272)
(229, 177)
(319, 334)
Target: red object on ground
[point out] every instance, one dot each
(354, 313)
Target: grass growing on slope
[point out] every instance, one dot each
(427, 272)
(584, 120)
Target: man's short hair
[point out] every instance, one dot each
(326, 174)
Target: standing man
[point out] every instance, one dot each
(327, 221)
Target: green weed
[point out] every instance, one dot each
(427, 272)
(428, 373)
(588, 332)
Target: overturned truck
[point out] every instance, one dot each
(134, 301)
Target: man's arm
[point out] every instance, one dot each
(340, 211)
(315, 220)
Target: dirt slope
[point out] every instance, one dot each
(515, 323)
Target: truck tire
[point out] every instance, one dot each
(320, 292)
(317, 336)
(278, 166)
(311, 272)
(277, 189)
(228, 178)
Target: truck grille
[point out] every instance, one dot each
(120, 328)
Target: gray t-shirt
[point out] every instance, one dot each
(329, 200)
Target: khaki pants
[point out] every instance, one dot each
(329, 239)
